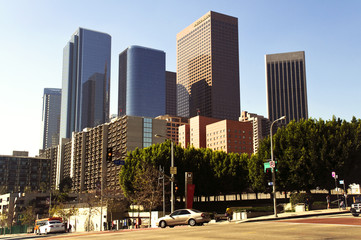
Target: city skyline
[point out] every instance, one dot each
(32, 58)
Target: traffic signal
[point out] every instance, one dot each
(269, 174)
(109, 154)
(175, 188)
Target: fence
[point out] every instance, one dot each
(14, 229)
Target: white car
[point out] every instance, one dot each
(52, 226)
(184, 217)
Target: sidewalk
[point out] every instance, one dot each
(288, 215)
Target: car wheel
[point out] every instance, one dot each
(192, 222)
(162, 224)
(355, 214)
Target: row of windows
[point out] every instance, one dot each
(147, 132)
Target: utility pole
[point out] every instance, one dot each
(161, 177)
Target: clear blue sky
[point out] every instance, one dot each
(33, 34)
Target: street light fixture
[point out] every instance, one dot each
(172, 175)
(273, 169)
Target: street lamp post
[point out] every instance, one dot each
(273, 169)
(172, 174)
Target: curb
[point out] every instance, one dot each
(291, 216)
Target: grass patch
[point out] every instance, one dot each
(255, 209)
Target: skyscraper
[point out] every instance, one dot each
(86, 80)
(171, 93)
(286, 86)
(208, 68)
(50, 120)
(141, 82)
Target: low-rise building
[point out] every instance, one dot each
(223, 135)
(230, 136)
(20, 172)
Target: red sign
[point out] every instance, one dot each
(272, 164)
(190, 195)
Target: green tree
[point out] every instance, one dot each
(308, 151)
(65, 185)
(147, 189)
(28, 215)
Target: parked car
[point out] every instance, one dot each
(190, 217)
(52, 226)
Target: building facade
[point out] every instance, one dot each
(86, 80)
(286, 86)
(83, 156)
(218, 135)
(197, 132)
(18, 173)
(230, 136)
(170, 93)
(208, 68)
(50, 119)
(142, 82)
(173, 124)
(51, 154)
(261, 127)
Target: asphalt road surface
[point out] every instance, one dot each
(343, 226)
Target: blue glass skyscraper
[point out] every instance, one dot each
(86, 80)
(50, 117)
(141, 82)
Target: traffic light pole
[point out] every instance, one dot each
(274, 170)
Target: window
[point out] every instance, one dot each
(147, 132)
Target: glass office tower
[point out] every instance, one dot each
(86, 80)
(141, 82)
(50, 117)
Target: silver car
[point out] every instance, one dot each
(184, 217)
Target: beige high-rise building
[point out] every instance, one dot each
(261, 127)
(208, 68)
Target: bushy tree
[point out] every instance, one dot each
(309, 150)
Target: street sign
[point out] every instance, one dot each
(189, 178)
(272, 164)
(270, 183)
(119, 162)
(173, 170)
(341, 182)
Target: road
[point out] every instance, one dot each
(342, 226)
